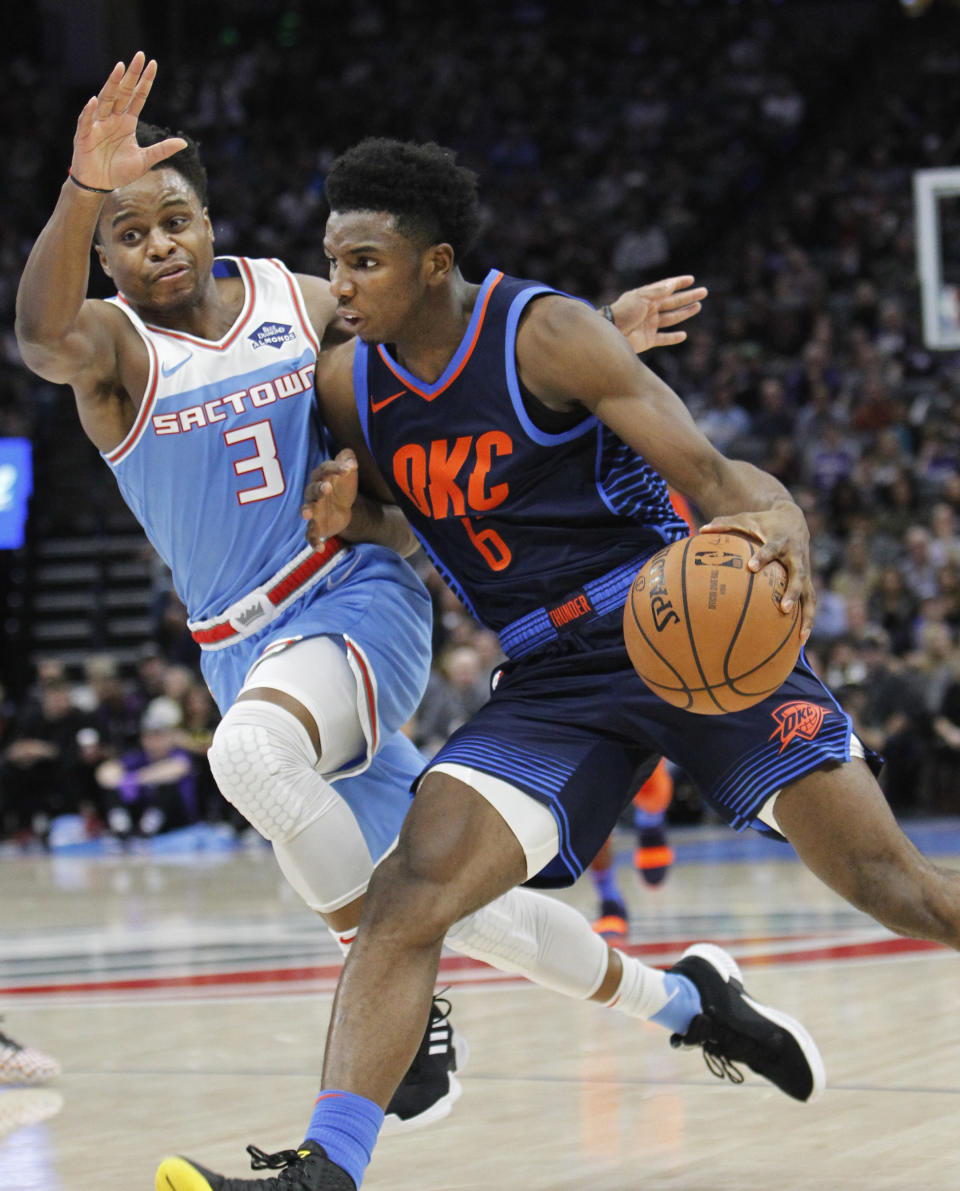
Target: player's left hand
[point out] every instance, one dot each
(783, 535)
(644, 313)
(329, 497)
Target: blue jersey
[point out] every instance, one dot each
(215, 465)
(514, 516)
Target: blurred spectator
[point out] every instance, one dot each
(944, 776)
(889, 716)
(115, 707)
(725, 422)
(153, 788)
(41, 775)
(892, 606)
(898, 505)
(944, 547)
(150, 674)
(916, 566)
(856, 575)
(457, 688)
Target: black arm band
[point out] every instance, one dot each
(91, 189)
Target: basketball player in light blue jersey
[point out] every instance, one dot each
(196, 384)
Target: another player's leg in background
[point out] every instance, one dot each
(653, 857)
(611, 923)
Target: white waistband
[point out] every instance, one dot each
(255, 610)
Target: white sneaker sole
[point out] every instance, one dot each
(727, 966)
(394, 1126)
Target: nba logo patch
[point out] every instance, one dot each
(272, 335)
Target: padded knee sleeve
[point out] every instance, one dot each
(535, 936)
(262, 759)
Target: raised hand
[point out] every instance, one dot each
(105, 150)
(644, 313)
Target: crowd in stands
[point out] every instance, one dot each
(772, 155)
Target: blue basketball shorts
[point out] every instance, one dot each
(571, 723)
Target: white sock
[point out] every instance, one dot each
(343, 939)
(548, 942)
(664, 998)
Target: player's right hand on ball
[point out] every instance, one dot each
(329, 497)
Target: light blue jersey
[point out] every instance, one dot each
(214, 470)
(215, 466)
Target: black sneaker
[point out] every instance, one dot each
(430, 1088)
(733, 1028)
(306, 1169)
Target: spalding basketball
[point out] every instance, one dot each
(706, 633)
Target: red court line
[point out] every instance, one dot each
(456, 965)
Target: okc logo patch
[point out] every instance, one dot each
(797, 719)
(272, 335)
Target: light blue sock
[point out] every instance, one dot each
(346, 1126)
(682, 1007)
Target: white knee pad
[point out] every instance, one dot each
(535, 936)
(318, 674)
(262, 759)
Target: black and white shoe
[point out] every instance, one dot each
(733, 1028)
(430, 1088)
(306, 1169)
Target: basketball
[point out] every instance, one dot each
(706, 633)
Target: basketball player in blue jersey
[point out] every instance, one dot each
(196, 384)
(539, 515)
(526, 445)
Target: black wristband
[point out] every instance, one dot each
(607, 313)
(84, 186)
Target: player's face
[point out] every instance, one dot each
(156, 243)
(376, 274)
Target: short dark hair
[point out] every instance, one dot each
(187, 162)
(433, 199)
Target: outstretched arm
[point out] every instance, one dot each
(61, 335)
(644, 314)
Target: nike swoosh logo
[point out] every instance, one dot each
(340, 574)
(170, 371)
(376, 406)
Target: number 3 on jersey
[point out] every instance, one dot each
(264, 461)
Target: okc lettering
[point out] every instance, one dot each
(660, 607)
(257, 396)
(430, 477)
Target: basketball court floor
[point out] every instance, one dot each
(187, 997)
